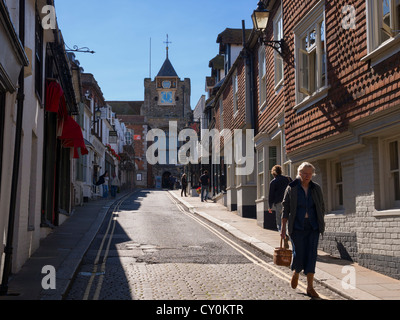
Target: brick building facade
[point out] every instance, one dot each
(329, 96)
(348, 122)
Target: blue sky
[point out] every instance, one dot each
(120, 31)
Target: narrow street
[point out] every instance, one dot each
(150, 248)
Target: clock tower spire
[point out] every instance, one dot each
(167, 43)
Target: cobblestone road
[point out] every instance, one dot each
(150, 250)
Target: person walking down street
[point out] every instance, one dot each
(303, 212)
(103, 180)
(105, 185)
(277, 189)
(204, 181)
(115, 183)
(183, 184)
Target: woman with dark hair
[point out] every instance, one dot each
(103, 180)
(277, 189)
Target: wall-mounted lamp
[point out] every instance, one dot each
(260, 18)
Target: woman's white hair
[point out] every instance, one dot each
(305, 165)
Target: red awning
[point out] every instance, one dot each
(54, 92)
(72, 137)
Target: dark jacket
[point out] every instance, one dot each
(204, 179)
(290, 204)
(277, 189)
(183, 181)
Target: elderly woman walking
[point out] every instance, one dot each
(303, 211)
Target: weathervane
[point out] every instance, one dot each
(167, 42)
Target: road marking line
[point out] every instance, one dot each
(249, 255)
(96, 261)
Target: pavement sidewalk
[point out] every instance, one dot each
(63, 249)
(66, 246)
(370, 285)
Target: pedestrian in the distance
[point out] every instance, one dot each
(115, 183)
(204, 181)
(183, 184)
(277, 189)
(303, 211)
(105, 178)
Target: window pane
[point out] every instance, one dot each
(323, 55)
(385, 20)
(398, 15)
(338, 172)
(340, 194)
(313, 37)
(260, 162)
(304, 43)
(272, 159)
(394, 155)
(386, 13)
(313, 71)
(278, 69)
(396, 182)
(304, 71)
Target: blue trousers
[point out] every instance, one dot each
(105, 191)
(204, 189)
(305, 246)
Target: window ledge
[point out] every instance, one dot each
(384, 51)
(263, 106)
(335, 214)
(278, 87)
(311, 100)
(387, 213)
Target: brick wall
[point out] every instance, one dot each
(266, 118)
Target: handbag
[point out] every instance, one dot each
(282, 256)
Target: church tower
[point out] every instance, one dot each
(166, 99)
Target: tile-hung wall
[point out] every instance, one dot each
(342, 114)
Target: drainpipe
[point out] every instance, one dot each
(249, 76)
(8, 250)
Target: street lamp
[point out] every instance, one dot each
(260, 18)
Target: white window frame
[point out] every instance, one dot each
(379, 50)
(394, 174)
(262, 76)
(235, 88)
(337, 187)
(221, 114)
(387, 206)
(388, 200)
(307, 95)
(278, 61)
(260, 174)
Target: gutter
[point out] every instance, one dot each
(8, 250)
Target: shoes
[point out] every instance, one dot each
(310, 286)
(312, 293)
(295, 280)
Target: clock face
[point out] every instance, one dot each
(166, 97)
(166, 84)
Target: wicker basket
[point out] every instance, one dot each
(282, 256)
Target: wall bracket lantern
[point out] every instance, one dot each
(260, 18)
